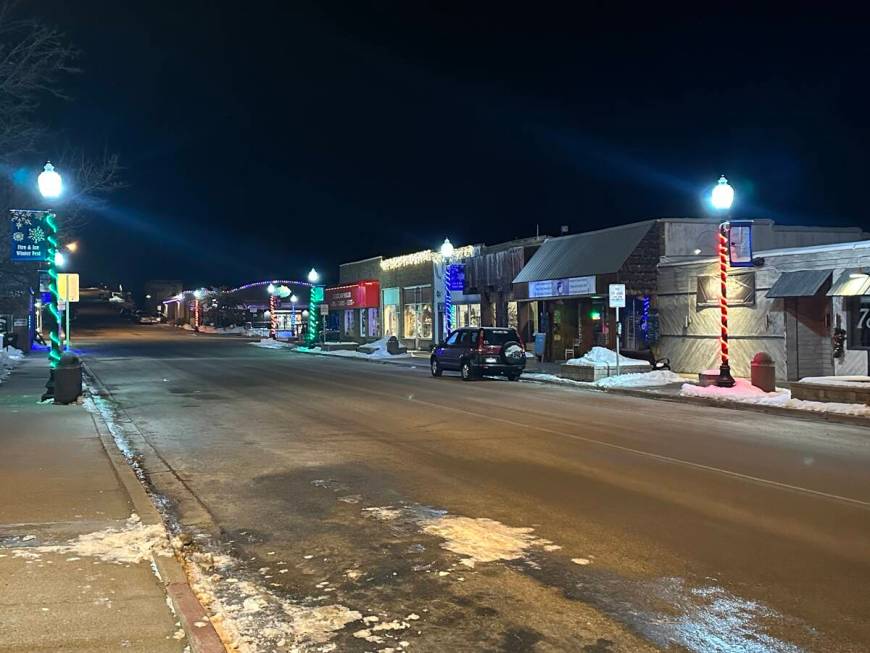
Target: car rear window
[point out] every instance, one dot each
(499, 336)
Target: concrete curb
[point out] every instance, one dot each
(188, 609)
(835, 418)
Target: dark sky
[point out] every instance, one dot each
(262, 138)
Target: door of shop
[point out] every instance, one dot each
(807, 341)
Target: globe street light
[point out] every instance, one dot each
(313, 276)
(197, 314)
(50, 182)
(315, 298)
(722, 198)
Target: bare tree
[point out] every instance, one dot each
(35, 61)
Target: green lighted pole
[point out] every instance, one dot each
(54, 353)
(316, 298)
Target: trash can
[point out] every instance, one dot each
(67, 379)
(763, 373)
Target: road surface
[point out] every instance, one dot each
(656, 525)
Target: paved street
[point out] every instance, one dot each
(657, 526)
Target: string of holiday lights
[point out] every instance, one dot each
(407, 260)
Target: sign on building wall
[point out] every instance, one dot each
(29, 236)
(456, 277)
(859, 323)
(562, 287)
(740, 289)
(740, 244)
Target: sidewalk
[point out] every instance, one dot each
(75, 552)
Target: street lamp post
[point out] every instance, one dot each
(447, 252)
(50, 187)
(293, 300)
(316, 298)
(273, 305)
(197, 310)
(722, 198)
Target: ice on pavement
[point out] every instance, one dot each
(746, 393)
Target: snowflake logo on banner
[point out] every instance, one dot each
(21, 220)
(18, 236)
(37, 235)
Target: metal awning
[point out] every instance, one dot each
(851, 283)
(802, 283)
(585, 254)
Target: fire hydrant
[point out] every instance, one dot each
(763, 374)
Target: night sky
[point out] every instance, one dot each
(260, 139)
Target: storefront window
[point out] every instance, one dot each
(391, 320)
(410, 321)
(373, 323)
(426, 320)
(859, 323)
(348, 323)
(363, 322)
(465, 315)
(513, 317)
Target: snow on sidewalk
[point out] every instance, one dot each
(634, 380)
(745, 393)
(9, 359)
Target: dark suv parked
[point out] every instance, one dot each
(476, 351)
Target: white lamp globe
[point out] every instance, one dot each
(305, 312)
(199, 294)
(313, 276)
(59, 260)
(723, 195)
(50, 183)
(294, 298)
(447, 248)
(271, 288)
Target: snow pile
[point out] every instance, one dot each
(187, 327)
(379, 353)
(233, 330)
(603, 357)
(640, 380)
(268, 343)
(745, 393)
(552, 378)
(9, 359)
(380, 349)
(854, 382)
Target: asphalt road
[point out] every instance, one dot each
(660, 526)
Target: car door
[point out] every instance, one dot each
(446, 352)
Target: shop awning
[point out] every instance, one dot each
(851, 284)
(802, 283)
(581, 255)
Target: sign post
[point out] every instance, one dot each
(617, 301)
(68, 290)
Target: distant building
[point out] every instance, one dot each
(155, 291)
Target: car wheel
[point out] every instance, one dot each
(513, 376)
(435, 367)
(467, 371)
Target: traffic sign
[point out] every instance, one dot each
(324, 309)
(68, 286)
(617, 295)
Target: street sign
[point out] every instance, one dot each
(740, 243)
(68, 286)
(61, 305)
(617, 295)
(29, 235)
(324, 309)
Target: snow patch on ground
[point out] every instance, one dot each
(268, 343)
(854, 382)
(640, 380)
(378, 354)
(252, 618)
(9, 360)
(552, 378)
(603, 357)
(745, 393)
(482, 539)
(131, 544)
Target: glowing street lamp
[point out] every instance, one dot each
(72, 247)
(293, 300)
(50, 182)
(722, 198)
(313, 276)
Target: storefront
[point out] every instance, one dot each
(807, 307)
(354, 310)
